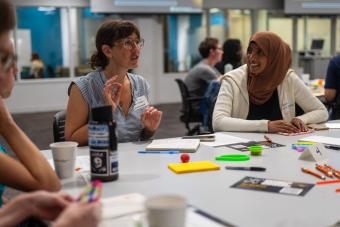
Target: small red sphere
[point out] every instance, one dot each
(185, 158)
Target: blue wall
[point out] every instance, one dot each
(45, 33)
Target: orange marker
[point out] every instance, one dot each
(337, 190)
(305, 170)
(327, 171)
(335, 172)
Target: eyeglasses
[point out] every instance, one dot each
(8, 61)
(130, 43)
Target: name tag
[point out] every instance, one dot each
(141, 102)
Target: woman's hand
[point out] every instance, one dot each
(151, 118)
(112, 92)
(5, 117)
(80, 214)
(281, 126)
(40, 204)
(300, 125)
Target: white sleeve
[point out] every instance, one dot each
(222, 120)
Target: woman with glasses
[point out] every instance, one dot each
(118, 46)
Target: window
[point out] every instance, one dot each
(39, 42)
(183, 33)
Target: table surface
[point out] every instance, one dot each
(148, 174)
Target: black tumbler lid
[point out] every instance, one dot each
(103, 113)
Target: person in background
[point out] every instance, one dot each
(202, 73)
(261, 95)
(232, 56)
(118, 46)
(37, 66)
(31, 171)
(332, 86)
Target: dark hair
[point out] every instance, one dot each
(35, 56)
(231, 55)
(206, 45)
(110, 32)
(7, 16)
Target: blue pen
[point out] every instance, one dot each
(159, 152)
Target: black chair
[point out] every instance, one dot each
(190, 110)
(333, 108)
(59, 126)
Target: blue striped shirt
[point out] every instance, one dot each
(129, 127)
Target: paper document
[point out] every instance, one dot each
(183, 145)
(322, 139)
(333, 125)
(222, 139)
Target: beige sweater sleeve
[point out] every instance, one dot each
(222, 116)
(315, 111)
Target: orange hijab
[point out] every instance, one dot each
(261, 87)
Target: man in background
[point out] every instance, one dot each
(201, 74)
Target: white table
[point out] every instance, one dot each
(148, 174)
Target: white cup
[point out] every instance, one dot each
(166, 211)
(64, 157)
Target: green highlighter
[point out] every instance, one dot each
(232, 157)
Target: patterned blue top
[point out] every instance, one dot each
(129, 128)
(2, 187)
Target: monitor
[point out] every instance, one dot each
(331, 7)
(317, 44)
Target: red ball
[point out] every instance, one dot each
(185, 158)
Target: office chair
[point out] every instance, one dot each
(59, 126)
(333, 108)
(190, 114)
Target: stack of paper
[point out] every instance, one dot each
(322, 139)
(182, 145)
(222, 139)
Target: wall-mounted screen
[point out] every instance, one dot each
(146, 6)
(312, 7)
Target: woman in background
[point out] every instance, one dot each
(232, 56)
(261, 95)
(118, 46)
(37, 66)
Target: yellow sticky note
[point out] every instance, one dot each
(193, 166)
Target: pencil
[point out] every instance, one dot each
(328, 182)
(268, 139)
(325, 170)
(308, 171)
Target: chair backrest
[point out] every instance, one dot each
(59, 126)
(184, 90)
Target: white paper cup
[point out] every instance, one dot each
(166, 211)
(64, 157)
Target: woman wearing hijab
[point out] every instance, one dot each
(261, 95)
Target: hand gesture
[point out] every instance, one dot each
(43, 205)
(80, 214)
(281, 126)
(151, 118)
(112, 92)
(300, 125)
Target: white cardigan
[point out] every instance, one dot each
(232, 105)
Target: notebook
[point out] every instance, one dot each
(182, 145)
(193, 166)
